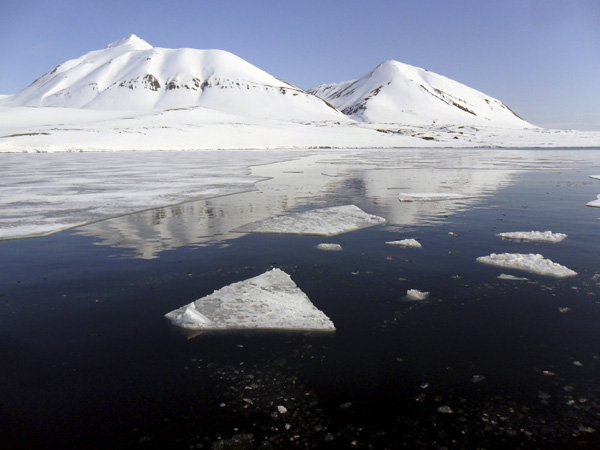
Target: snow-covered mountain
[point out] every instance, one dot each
(398, 93)
(130, 74)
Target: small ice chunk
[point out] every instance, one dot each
(542, 236)
(534, 263)
(415, 295)
(412, 243)
(504, 276)
(270, 301)
(595, 203)
(318, 222)
(329, 247)
(431, 196)
(445, 410)
(281, 409)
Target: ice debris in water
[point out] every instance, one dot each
(413, 243)
(270, 301)
(431, 196)
(595, 203)
(329, 247)
(504, 276)
(534, 263)
(415, 294)
(319, 222)
(542, 236)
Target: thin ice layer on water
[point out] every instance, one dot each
(270, 301)
(432, 196)
(412, 243)
(534, 263)
(318, 222)
(542, 236)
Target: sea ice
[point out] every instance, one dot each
(534, 263)
(413, 243)
(319, 222)
(431, 196)
(504, 276)
(595, 203)
(542, 236)
(329, 247)
(595, 177)
(270, 301)
(415, 294)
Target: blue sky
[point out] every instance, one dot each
(540, 57)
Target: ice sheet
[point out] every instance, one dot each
(534, 263)
(432, 196)
(270, 301)
(413, 243)
(542, 236)
(319, 222)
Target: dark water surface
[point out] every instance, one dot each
(88, 360)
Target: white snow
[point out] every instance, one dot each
(595, 203)
(400, 93)
(412, 243)
(270, 301)
(319, 222)
(431, 196)
(542, 236)
(329, 247)
(132, 96)
(416, 295)
(534, 263)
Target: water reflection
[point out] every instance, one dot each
(369, 179)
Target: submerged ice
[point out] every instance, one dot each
(542, 236)
(319, 222)
(270, 301)
(534, 263)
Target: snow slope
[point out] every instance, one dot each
(394, 92)
(130, 74)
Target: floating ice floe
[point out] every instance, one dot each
(542, 236)
(415, 294)
(595, 177)
(319, 222)
(413, 243)
(432, 196)
(504, 276)
(534, 263)
(270, 301)
(329, 247)
(595, 203)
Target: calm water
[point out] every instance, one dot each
(90, 362)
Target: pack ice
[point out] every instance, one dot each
(542, 236)
(318, 222)
(431, 196)
(270, 301)
(534, 263)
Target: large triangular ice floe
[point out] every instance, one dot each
(534, 263)
(318, 222)
(270, 301)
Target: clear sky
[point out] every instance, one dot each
(540, 57)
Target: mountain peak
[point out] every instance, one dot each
(133, 41)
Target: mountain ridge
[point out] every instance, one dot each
(131, 74)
